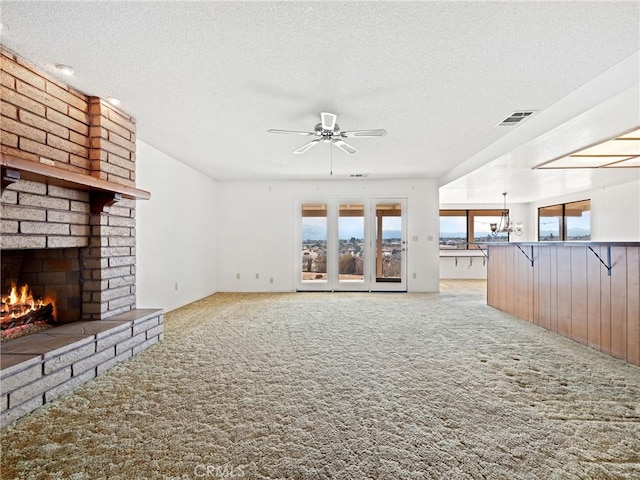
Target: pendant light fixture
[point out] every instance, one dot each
(506, 225)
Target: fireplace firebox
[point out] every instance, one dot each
(40, 288)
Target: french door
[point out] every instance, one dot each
(351, 245)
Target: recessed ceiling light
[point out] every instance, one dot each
(64, 69)
(618, 152)
(113, 101)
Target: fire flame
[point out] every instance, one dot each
(19, 302)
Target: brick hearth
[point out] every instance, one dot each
(68, 218)
(39, 368)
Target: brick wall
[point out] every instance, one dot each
(42, 120)
(109, 273)
(112, 139)
(36, 215)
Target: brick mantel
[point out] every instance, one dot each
(103, 192)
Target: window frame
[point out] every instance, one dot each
(470, 215)
(563, 234)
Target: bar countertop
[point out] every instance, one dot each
(567, 244)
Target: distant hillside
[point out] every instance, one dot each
(388, 234)
(315, 232)
(453, 235)
(573, 232)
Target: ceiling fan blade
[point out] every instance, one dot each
(307, 146)
(328, 121)
(291, 131)
(345, 147)
(364, 133)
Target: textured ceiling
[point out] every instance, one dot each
(205, 80)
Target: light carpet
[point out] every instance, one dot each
(342, 386)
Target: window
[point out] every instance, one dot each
(453, 229)
(481, 221)
(550, 223)
(461, 229)
(578, 220)
(567, 221)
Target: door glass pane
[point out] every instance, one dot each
(389, 242)
(550, 223)
(578, 220)
(314, 242)
(351, 243)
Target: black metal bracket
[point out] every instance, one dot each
(530, 258)
(483, 253)
(606, 265)
(484, 261)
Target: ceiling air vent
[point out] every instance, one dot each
(516, 117)
(358, 175)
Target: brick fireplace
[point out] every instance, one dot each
(68, 229)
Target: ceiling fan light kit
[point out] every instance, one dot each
(328, 131)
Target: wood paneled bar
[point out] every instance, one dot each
(586, 291)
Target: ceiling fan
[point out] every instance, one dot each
(328, 131)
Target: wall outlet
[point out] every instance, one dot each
(237, 276)
(414, 275)
(176, 286)
(257, 276)
(271, 280)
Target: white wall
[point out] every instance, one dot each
(615, 211)
(176, 232)
(256, 229)
(463, 265)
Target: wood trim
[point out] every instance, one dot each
(579, 295)
(619, 302)
(51, 175)
(633, 305)
(569, 291)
